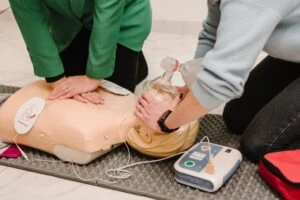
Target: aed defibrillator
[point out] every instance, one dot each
(207, 166)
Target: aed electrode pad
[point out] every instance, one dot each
(114, 88)
(27, 114)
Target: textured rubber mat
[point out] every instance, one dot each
(155, 180)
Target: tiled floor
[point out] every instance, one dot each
(16, 70)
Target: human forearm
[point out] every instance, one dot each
(188, 110)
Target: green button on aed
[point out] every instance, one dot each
(189, 163)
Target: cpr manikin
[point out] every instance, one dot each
(80, 132)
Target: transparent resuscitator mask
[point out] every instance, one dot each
(161, 87)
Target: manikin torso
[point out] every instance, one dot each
(80, 132)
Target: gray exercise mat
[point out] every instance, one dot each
(155, 180)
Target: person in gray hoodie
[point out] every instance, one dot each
(262, 102)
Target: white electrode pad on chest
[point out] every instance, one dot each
(207, 166)
(114, 88)
(27, 114)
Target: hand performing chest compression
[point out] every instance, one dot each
(81, 88)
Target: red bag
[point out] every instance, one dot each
(281, 170)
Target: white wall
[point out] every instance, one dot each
(179, 10)
(170, 16)
(178, 16)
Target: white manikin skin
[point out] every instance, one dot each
(80, 132)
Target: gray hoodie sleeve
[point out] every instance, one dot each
(242, 31)
(207, 36)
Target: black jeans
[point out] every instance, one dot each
(130, 66)
(268, 112)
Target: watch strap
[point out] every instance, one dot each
(161, 123)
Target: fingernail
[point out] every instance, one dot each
(180, 95)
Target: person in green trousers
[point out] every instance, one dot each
(74, 44)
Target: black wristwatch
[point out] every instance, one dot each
(161, 123)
